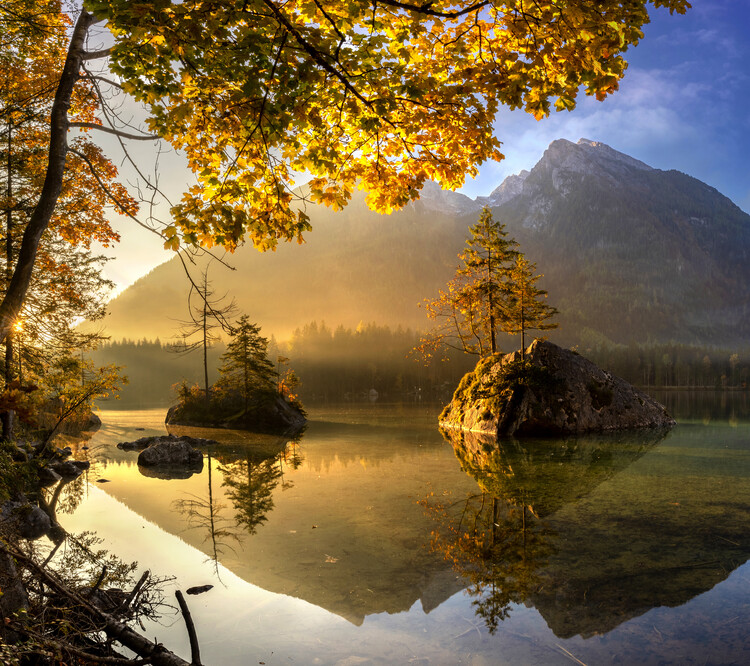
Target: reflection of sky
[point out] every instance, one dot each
(682, 105)
(366, 487)
(239, 623)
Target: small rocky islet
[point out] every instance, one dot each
(549, 391)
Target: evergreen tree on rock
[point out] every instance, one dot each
(246, 369)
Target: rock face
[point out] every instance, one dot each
(169, 451)
(565, 394)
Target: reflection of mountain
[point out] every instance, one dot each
(622, 532)
(342, 531)
(547, 474)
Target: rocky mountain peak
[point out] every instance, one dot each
(433, 197)
(587, 157)
(561, 161)
(511, 187)
(565, 163)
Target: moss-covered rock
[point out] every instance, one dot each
(552, 391)
(265, 413)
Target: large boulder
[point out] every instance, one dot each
(172, 452)
(24, 519)
(555, 392)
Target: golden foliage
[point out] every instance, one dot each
(377, 96)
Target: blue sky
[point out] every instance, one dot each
(684, 104)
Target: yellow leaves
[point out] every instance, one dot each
(357, 95)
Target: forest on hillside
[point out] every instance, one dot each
(335, 364)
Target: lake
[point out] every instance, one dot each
(374, 540)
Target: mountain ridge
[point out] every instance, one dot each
(629, 253)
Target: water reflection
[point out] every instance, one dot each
(589, 531)
(331, 518)
(577, 538)
(207, 515)
(546, 474)
(708, 406)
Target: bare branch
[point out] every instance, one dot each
(93, 55)
(109, 82)
(111, 195)
(110, 130)
(195, 653)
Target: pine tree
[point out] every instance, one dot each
(471, 311)
(526, 309)
(245, 365)
(486, 259)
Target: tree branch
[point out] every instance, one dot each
(109, 82)
(120, 133)
(93, 55)
(427, 11)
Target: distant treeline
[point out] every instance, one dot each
(346, 364)
(332, 364)
(152, 370)
(675, 365)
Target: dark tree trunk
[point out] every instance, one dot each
(58, 148)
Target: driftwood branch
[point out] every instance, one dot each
(99, 580)
(150, 651)
(134, 593)
(195, 652)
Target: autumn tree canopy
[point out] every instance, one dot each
(378, 95)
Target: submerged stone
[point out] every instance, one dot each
(24, 519)
(554, 391)
(173, 452)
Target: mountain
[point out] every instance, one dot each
(629, 253)
(355, 266)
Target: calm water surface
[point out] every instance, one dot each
(374, 540)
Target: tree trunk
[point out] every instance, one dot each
(205, 345)
(58, 148)
(7, 417)
(490, 304)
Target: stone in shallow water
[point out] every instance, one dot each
(145, 442)
(172, 452)
(568, 394)
(26, 520)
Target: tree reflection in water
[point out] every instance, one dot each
(249, 480)
(250, 483)
(500, 540)
(205, 513)
(496, 545)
